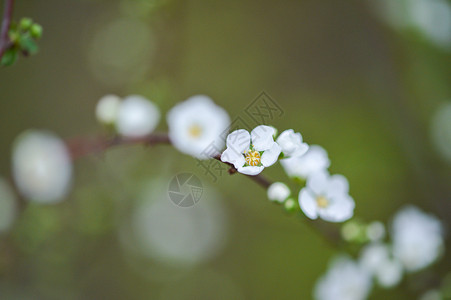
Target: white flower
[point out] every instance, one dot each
(137, 116)
(42, 167)
(174, 237)
(291, 143)
(389, 273)
(345, 280)
(107, 109)
(376, 259)
(314, 160)
(251, 153)
(278, 191)
(195, 126)
(327, 197)
(431, 295)
(417, 238)
(431, 18)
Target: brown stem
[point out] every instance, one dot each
(79, 147)
(7, 15)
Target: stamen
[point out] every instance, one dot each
(322, 202)
(252, 157)
(195, 131)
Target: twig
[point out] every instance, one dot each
(79, 147)
(7, 16)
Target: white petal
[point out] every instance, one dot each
(107, 109)
(301, 150)
(137, 116)
(308, 204)
(389, 273)
(210, 121)
(269, 157)
(262, 137)
(42, 166)
(291, 143)
(340, 209)
(373, 255)
(250, 170)
(318, 182)
(239, 140)
(304, 166)
(231, 156)
(338, 184)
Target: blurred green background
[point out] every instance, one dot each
(345, 79)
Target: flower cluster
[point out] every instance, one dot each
(251, 153)
(416, 242)
(134, 116)
(42, 171)
(324, 196)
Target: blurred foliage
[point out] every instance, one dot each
(23, 37)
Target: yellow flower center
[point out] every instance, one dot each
(195, 131)
(322, 202)
(252, 157)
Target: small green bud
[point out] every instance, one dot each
(14, 36)
(350, 231)
(290, 205)
(36, 31)
(25, 23)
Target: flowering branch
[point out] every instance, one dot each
(42, 169)
(82, 146)
(79, 147)
(7, 15)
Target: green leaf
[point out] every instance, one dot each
(28, 45)
(9, 57)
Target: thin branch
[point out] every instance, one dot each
(79, 147)
(6, 23)
(83, 146)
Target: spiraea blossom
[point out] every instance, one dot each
(327, 197)
(137, 116)
(376, 258)
(278, 191)
(291, 143)
(107, 109)
(251, 153)
(314, 160)
(195, 127)
(345, 280)
(42, 168)
(417, 238)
